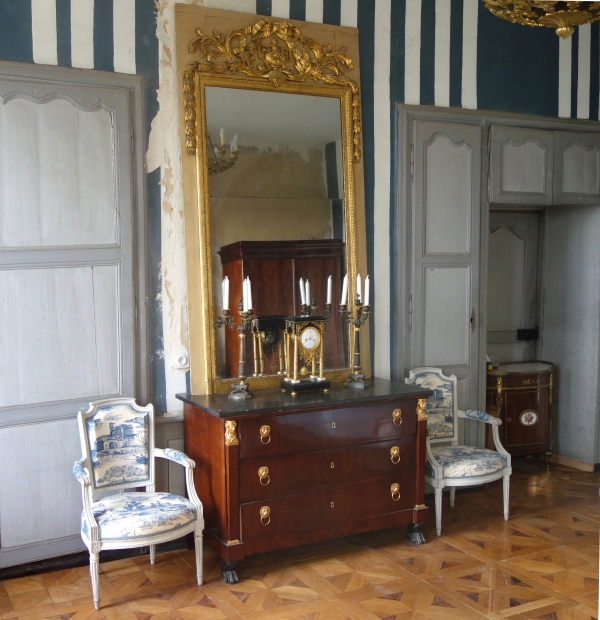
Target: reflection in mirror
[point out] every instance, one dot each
(276, 215)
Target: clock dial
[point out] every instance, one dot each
(310, 338)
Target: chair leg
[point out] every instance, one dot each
(94, 568)
(152, 553)
(438, 511)
(506, 489)
(198, 545)
(452, 496)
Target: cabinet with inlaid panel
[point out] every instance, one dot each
(524, 394)
(275, 471)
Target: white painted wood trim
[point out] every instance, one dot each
(82, 34)
(469, 54)
(124, 36)
(583, 71)
(280, 8)
(349, 13)
(573, 463)
(442, 53)
(564, 77)
(412, 53)
(381, 277)
(314, 11)
(43, 32)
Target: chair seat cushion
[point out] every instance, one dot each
(128, 516)
(465, 461)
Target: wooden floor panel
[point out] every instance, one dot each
(542, 564)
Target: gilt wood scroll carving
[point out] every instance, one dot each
(274, 51)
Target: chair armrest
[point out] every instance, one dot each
(176, 456)
(80, 473)
(479, 415)
(188, 463)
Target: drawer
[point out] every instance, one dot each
(519, 380)
(320, 430)
(302, 519)
(315, 471)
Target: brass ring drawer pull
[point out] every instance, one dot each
(397, 417)
(265, 513)
(263, 474)
(265, 433)
(395, 454)
(395, 491)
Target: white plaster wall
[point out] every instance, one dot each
(570, 326)
(164, 152)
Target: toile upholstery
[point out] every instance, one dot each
(117, 440)
(453, 465)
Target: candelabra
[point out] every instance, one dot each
(240, 390)
(218, 163)
(361, 313)
(306, 310)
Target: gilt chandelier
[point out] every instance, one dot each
(562, 16)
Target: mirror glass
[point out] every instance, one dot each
(276, 215)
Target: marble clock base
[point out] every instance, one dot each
(305, 385)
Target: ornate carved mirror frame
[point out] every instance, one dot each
(325, 64)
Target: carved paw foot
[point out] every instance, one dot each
(229, 573)
(414, 533)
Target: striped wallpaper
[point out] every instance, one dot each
(429, 52)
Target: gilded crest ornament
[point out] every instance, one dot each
(273, 51)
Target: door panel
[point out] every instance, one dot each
(520, 165)
(513, 284)
(576, 168)
(445, 234)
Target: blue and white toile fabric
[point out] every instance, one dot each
(128, 516)
(439, 407)
(484, 417)
(118, 439)
(465, 461)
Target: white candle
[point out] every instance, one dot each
(225, 293)
(245, 295)
(307, 293)
(329, 285)
(302, 292)
(250, 304)
(222, 134)
(344, 290)
(235, 142)
(358, 287)
(231, 146)
(367, 283)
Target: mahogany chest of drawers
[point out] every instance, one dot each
(523, 391)
(276, 471)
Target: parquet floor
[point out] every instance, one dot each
(542, 563)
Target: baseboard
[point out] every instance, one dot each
(82, 558)
(33, 552)
(574, 464)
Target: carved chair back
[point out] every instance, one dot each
(441, 406)
(117, 439)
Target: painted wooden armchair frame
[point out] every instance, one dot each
(453, 465)
(122, 459)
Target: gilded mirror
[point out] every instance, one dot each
(272, 183)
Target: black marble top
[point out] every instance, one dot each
(273, 401)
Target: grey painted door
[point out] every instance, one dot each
(67, 303)
(520, 165)
(445, 313)
(576, 167)
(513, 284)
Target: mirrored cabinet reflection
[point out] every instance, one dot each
(275, 268)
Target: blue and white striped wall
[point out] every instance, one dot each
(428, 52)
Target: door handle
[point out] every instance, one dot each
(472, 320)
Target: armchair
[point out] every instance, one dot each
(453, 465)
(117, 440)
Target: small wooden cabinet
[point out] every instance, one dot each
(524, 394)
(276, 471)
